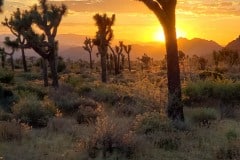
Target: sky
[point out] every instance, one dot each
(217, 20)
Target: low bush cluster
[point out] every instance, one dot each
(6, 76)
(66, 99)
(31, 111)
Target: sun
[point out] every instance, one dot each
(158, 35)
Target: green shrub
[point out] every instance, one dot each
(66, 99)
(31, 111)
(225, 90)
(29, 76)
(203, 116)
(231, 135)
(39, 91)
(6, 76)
(151, 122)
(74, 81)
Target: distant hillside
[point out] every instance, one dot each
(234, 45)
(70, 46)
(197, 46)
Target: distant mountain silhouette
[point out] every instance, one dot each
(70, 46)
(234, 45)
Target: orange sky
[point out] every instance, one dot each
(217, 20)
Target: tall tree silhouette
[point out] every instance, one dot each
(88, 46)
(46, 18)
(103, 37)
(165, 12)
(16, 24)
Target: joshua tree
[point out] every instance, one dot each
(127, 49)
(16, 24)
(165, 12)
(88, 46)
(117, 54)
(103, 37)
(47, 19)
(13, 45)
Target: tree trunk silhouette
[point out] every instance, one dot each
(165, 12)
(45, 72)
(175, 107)
(24, 60)
(12, 62)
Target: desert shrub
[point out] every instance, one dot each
(39, 91)
(225, 90)
(199, 91)
(6, 76)
(61, 125)
(104, 94)
(10, 131)
(61, 66)
(231, 135)
(203, 116)
(84, 89)
(111, 140)
(66, 99)
(88, 111)
(31, 111)
(74, 81)
(151, 122)
(29, 76)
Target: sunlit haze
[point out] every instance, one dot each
(217, 20)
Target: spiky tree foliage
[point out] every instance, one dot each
(46, 18)
(103, 37)
(13, 45)
(17, 24)
(165, 12)
(127, 49)
(88, 46)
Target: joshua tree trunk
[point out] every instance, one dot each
(24, 60)
(45, 72)
(91, 62)
(12, 62)
(165, 12)
(104, 64)
(175, 107)
(129, 63)
(53, 67)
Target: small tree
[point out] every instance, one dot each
(17, 24)
(103, 37)
(127, 49)
(46, 18)
(88, 46)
